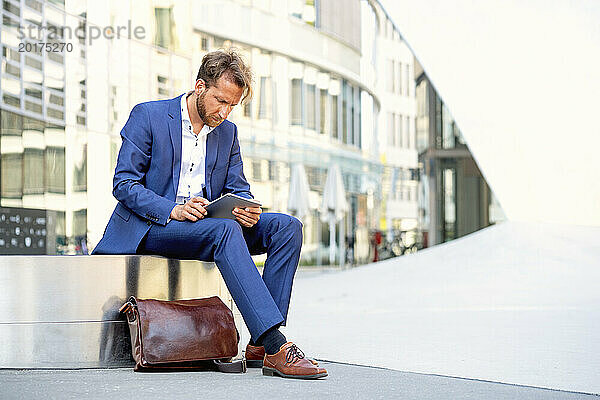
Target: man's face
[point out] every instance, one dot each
(216, 102)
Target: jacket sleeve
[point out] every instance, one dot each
(235, 182)
(133, 164)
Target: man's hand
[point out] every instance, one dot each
(247, 217)
(193, 210)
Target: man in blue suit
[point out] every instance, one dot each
(175, 157)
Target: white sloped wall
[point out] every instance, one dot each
(522, 79)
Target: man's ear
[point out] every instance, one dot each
(200, 87)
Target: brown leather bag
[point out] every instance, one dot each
(182, 334)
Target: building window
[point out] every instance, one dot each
(345, 114)
(61, 229)
(256, 170)
(265, 100)
(162, 85)
(358, 124)
(12, 8)
(407, 80)
(273, 171)
(406, 132)
(399, 131)
(351, 114)
(316, 177)
(58, 3)
(311, 112)
(80, 171)
(33, 177)
(12, 70)
(33, 63)
(449, 203)
(11, 54)
(31, 124)
(323, 126)
(11, 100)
(34, 4)
(80, 223)
(56, 99)
(248, 109)
(448, 138)
(81, 114)
(438, 122)
(296, 103)
(12, 175)
(411, 134)
(391, 76)
(12, 124)
(50, 112)
(392, 129)
(55, 170)
(165, 28)
(37, 108)
(398, 78)
(422, 120)
(334, 117)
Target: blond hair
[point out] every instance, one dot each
(228, 63)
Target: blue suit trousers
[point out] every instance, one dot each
(262, 301)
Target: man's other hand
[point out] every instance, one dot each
(192, 210)
(247, 217)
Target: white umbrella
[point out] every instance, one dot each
(391, 197)
(299, 190)
(334, 205)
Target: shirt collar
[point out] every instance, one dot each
(185, 116)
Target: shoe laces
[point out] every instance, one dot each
(293, 353)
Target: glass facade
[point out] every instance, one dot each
(29, 167)
(331, 96)
(455, 199)
(324, 110)
(43, 153)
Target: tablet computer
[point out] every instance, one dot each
(224, 205)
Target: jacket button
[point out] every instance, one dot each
(149, 223)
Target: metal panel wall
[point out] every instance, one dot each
(62, 311)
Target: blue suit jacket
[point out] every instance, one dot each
(147, 172)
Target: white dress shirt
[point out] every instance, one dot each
(193, 156)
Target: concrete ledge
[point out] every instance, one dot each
(62, 311)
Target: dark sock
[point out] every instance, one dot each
(272, 340)
(252, 343)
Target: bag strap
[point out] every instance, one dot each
(238, 367)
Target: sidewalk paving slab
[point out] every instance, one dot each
(345, 382)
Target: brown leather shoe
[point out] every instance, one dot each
(256, 354)
(289, 362)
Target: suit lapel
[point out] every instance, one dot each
(212, 148)
(175, 133)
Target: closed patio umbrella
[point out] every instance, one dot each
(334, 205)
(298, 203)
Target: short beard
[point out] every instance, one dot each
(201, 109)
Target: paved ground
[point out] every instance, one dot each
(515, 303)
(345, 382)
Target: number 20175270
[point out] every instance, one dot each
(54, 47)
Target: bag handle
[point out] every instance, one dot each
(129, 309)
